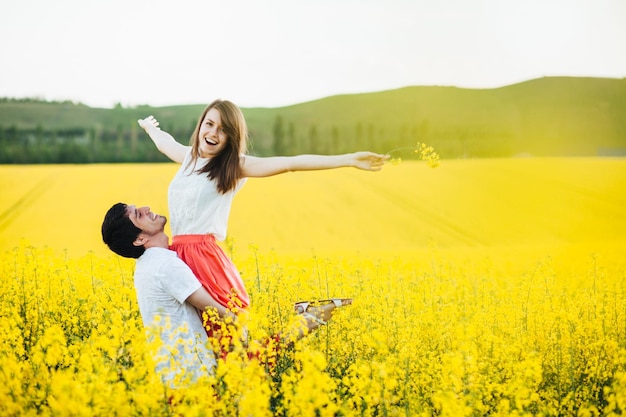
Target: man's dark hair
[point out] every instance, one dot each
(119, 233)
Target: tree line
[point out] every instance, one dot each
(128, 143)
(76, 145)
(289, 138)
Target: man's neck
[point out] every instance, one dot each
(160, 240)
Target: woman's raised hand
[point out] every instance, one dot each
(148, 122)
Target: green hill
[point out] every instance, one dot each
(551, 116)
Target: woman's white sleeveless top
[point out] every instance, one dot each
(195, 204)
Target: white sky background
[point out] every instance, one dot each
(270, 53)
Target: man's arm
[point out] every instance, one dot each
(181, 282)
(202, 300)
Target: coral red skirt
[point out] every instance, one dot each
(215, 271)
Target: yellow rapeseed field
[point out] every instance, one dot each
(488, 287)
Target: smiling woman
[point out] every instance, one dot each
(213, 169)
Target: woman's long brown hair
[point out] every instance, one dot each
(224, 168)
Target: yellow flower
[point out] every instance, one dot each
(428, 154)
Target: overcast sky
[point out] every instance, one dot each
(271, 53)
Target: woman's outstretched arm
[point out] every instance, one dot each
(266, 167)
(163, 140)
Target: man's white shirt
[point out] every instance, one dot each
(163, 282)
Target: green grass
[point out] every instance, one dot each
(550, 116)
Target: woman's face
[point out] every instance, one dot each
(212, 138)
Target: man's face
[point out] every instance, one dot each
(149, 222)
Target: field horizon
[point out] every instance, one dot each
(463, 205)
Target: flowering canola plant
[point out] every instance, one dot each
(450, 340)
(465, 330)
(423, 151)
